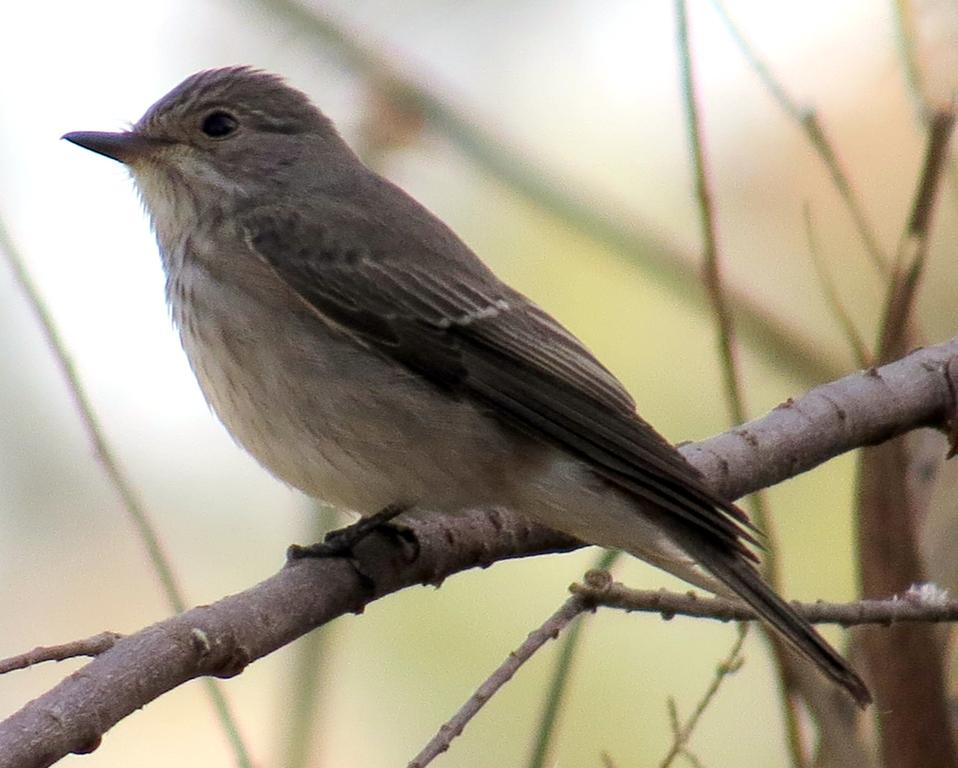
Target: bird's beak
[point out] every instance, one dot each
(126, 147)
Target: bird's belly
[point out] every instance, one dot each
(335, 419)
(346, 425)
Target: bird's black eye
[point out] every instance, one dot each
(219, 124)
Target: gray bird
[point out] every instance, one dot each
(362, 353)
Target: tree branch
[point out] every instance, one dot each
(920, 604)
(923, 603)
(865, 408)
(548, 630)
(220, 639)
(88, 646)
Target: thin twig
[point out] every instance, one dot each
(913, 249)
(124, 489)
(924, 604)
(555, 691)
(89, 646)
(607, 761)
(715, 287)
(549, 630)
(728, 666)
(832, 298)
(313, 657)
(808, 120)
(134, 508)
(908, 47)
(906, 34)
(941, 125)
(728, 360)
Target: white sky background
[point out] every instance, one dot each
(589, 88)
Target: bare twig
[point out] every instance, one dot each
(89, 646)
(111, 466)
(313, 657)
(906, 33)
(834, 301)
(896, 331)
(715, 286)
(728, 360)
(683, 732)
(808, 120)
(549, 630)
(555, 691)
(942, 124)
(703, 191)
(908, 46)
(607, 761)
(923, 605)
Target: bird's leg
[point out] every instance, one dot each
(340, 543)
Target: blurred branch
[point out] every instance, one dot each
(549, 630)
(906, 33)
(124, 489)
(728, 362)
(834, 301)
(807, 120)
(896, 332)
(904, 664)
(711, 269)
(941, 125)
(134, 508)
(312, 660)
(516, 169)
(221, 639)
(555, 691)
(681, 733)
(908, 47)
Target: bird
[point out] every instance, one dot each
(358, 349)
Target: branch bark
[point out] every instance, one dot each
(221, 639)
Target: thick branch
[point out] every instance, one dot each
(865, 408)
(222, 638)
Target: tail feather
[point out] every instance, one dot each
(742, 578)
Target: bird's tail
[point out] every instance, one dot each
(742, 578)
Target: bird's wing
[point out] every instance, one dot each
(459, 327)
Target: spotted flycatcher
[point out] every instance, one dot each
(363, 354)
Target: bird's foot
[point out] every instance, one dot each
(340, 543)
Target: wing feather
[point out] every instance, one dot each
(462, 329)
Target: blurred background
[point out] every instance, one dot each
(551, 137)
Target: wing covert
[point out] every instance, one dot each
(462, 329)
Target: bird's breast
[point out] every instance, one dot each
(320, 411)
